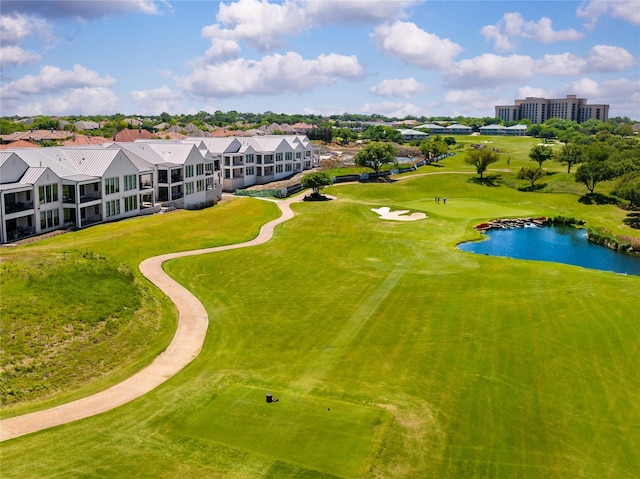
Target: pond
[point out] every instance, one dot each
(559, 244)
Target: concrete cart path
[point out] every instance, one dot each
(184, 348)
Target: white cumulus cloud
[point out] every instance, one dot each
(323, 12)
(488, 70)
(392, 109)
(404, 88)
(157, 100)
(415, 46)
(260, 24)
(14, 55)
(272, 75)
(52, 79)
(513, 26)
(592, 10)
(75, 101)
(609, 58)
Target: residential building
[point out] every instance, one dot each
(538, 110)
(515, 130)
(458, 129)
(44, 189)
(411, 135)
(433, 128)
(257, 160)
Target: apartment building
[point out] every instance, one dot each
(538, 110)
(257, 160)
(44, 189)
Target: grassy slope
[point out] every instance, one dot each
(392, 353)
(83, 333)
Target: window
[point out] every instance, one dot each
(227, 173)
(288, 167)
(111, 185)
(278, 168)
(278, 156)
(48, 193)
(249, 158)
(307, 154)
(113, 208)
(188, 188)
(200, 169)
(188, 171)
(209, 183)
(129, 182)
(288, 156)
(131, 203)
(200, 185)
(208, 168)
(298, 155)
(49, 219)
(250, 170)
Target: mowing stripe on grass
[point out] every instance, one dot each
(323, 363)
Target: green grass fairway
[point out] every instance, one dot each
(316, 433)
(434, 363)
(469, 208)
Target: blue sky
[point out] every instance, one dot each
(390, 57)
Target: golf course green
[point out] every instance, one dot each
(392, 354)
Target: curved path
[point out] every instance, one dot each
(184, 348)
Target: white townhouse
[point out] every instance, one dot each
(515, 130)
(458, 129)
(44, 189)
(258, 160)
(184, 177)
(410, 135)
(433, 128)
(493, 130)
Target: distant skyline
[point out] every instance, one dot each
(390, 57)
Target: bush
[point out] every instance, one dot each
(605, 237)
(562, 221)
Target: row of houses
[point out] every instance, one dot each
(419, 134)
(71, 187)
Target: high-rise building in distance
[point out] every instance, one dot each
(538, 110)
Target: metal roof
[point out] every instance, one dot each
(32, 175)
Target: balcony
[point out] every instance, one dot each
(17, 207)
(18, 233)
(90, 220)
(90, 196)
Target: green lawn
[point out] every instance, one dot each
(392, 354)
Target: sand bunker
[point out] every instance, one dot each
(398, 215)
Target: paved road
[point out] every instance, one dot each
(184, 348)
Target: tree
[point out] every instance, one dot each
(531, 174)
(534, 130)
(540, 153)
(547, 133)
(571, 154)
(316, 181)
(593, 172)
(432, 149)
(481, 159)
(376, 154)
(449, 140)
(624, 130)
(628, 188)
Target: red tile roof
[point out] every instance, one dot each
(19, 144)
(82, 140)
(132, 135)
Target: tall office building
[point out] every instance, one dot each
(538, 110)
